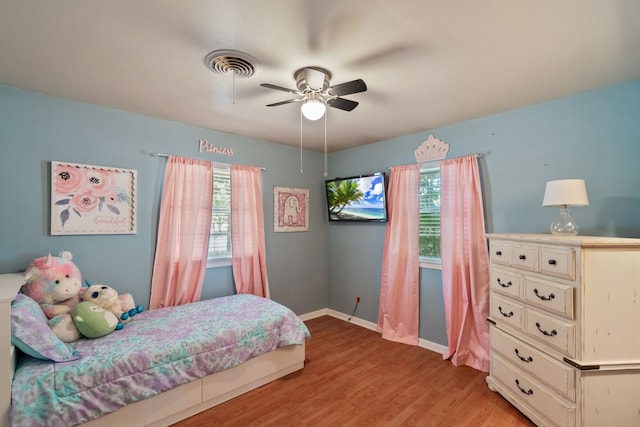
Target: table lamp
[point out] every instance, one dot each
(564, 193)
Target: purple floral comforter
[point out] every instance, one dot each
(158, 350)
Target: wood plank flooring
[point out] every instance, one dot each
(352, 377)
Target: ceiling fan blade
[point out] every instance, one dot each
(284, 89)
(347, 88)
(342, 104)
(314, 78)
(289, 101)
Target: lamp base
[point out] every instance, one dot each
(564, 224)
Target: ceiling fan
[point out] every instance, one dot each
(315, 92)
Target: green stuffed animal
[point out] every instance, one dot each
(94, 321)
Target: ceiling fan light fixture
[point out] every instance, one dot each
(315, 92)
(313, 109)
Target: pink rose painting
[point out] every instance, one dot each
(88, 199)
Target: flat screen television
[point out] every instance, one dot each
(360, 198)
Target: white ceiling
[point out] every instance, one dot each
(427, 63)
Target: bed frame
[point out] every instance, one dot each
(171, 406)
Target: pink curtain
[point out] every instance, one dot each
(398, 315)
(465, 263)
(247, 231)
(183, 232)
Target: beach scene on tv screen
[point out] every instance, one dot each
(356, 199)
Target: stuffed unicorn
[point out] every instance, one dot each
(56, 284)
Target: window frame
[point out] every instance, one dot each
(430, 262)
(226, 259)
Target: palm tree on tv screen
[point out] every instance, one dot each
(342, 194)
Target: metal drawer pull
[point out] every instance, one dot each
(509, 314)
(548, 334)
(552, 262)
(522, 257)
(542, 297)
(527, 392)
(524, 359)
(504, 285)
(499, 253)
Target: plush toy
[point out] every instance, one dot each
(94, 321)
(56, 284)
(122, 305)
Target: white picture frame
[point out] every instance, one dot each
(89, 199)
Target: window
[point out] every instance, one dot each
(429, 231)
(220, 235)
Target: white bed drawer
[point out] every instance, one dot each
(532, 394)
(557, 376)
(164, 405)
(224, 385)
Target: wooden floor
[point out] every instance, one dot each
(352, 377)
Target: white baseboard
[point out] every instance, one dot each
(314, 314)
(429, 345)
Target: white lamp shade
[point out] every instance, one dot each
(565, 192)
(313, 109)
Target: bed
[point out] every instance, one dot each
(157, 370)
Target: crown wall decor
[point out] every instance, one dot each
(431, 149)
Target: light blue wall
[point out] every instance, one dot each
(35, 129)
(595, 136)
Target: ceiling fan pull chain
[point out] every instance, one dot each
(301, 171)
(233, 87)
(325, 143)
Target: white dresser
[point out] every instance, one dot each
(565, 327)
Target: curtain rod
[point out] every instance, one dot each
(167, 155)
(479, 155)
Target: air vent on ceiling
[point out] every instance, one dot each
(231, 61)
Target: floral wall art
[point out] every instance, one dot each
(291, 209)
(87, 199)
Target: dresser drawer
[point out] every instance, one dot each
(525, 257)
(554, 332)
(557, 376)
(532, 394)
(505, 311)
(553, 297)
(500, 253)
(558, 262)
(506, 283)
